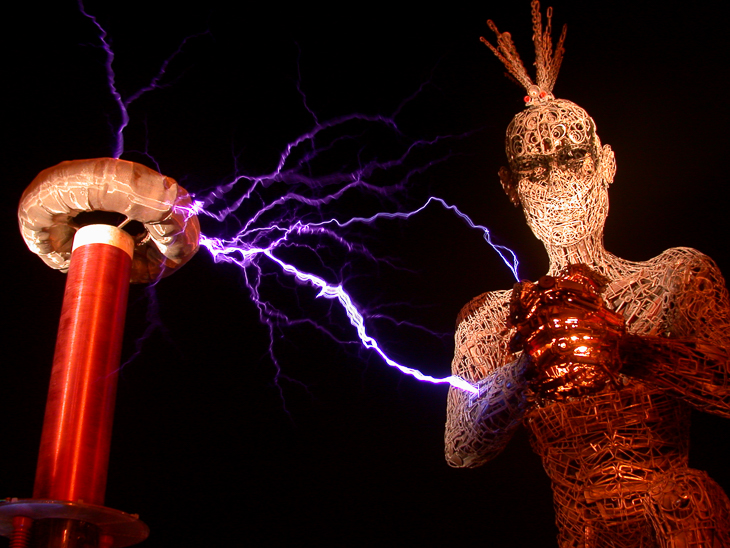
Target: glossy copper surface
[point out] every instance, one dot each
(74, 452)
(563, 323)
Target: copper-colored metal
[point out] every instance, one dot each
(65, 533)
(124, 529)
(74, 451)
(603, 362)
(564, 323)
(21, 532)
(547, 60)
(67, 509)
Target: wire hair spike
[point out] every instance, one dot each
(542, 59)
(557, 58)
(506, 52)
(547, 60)
(549, 26)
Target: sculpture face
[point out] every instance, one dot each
(560, 171)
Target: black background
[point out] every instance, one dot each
(203, 448)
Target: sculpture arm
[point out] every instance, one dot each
(692, 359)
(479, 425)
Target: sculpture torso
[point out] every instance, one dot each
(603, 382)
(611, 454)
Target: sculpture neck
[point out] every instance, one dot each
(589, 251)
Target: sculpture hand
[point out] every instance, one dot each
(564, 325)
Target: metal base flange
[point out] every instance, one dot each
(125, 529)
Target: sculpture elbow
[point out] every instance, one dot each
(456, 459)
(464, 459)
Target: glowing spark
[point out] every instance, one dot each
(222, 252)
(274, 219)
(242, 251)
(503, 251)
(122, 103)
(291, 215)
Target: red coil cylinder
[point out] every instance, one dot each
(74, 452)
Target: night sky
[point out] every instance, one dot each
(205, 449)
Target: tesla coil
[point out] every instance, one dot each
(67, 216)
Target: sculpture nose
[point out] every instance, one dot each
(555, 175)
(545, 172)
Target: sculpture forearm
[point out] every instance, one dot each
(479, 425)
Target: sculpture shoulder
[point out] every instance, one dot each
(679, 293)
(688, 274)
(701, 306)
(482, 336)
(676, 265)
(491, 307)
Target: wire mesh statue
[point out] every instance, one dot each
(602, 358)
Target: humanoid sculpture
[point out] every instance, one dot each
(602, 358)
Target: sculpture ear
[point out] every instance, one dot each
(608, 164)
(509, 185)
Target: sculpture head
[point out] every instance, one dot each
(558, 170)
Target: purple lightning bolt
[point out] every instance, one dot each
(294, 214)
(237, 251)
(293, 208)
(124, 103)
